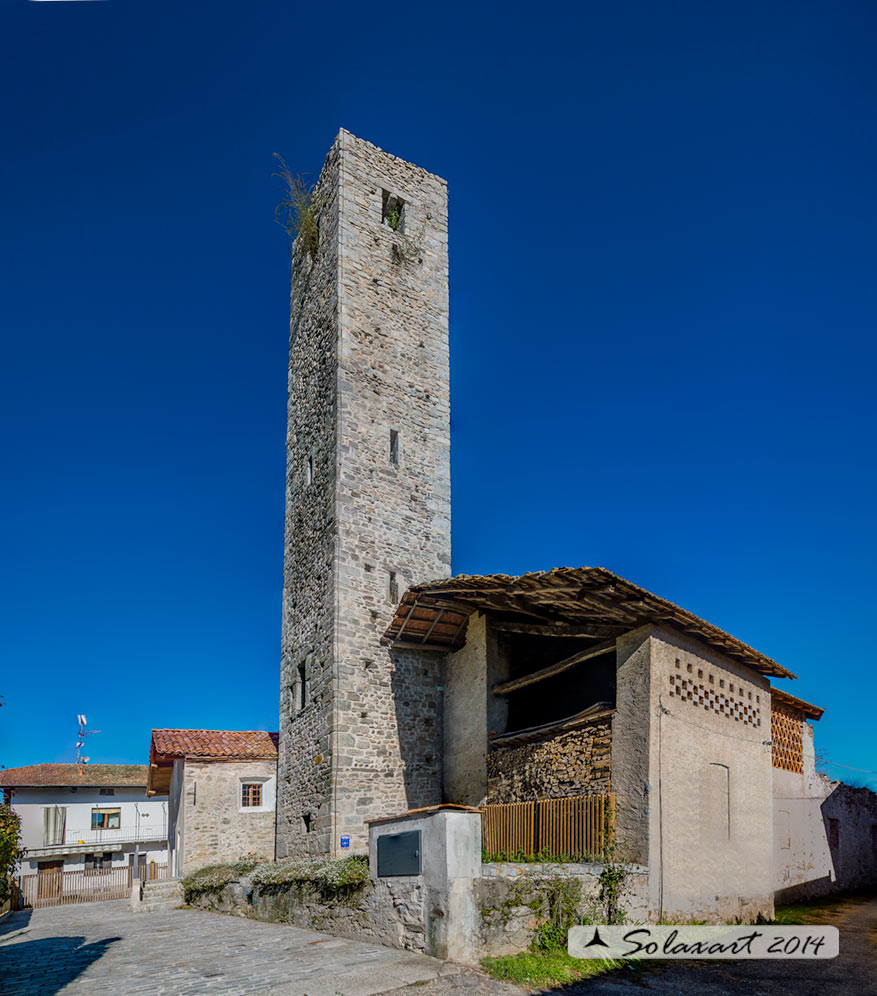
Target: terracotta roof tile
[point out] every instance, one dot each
(238, 744)
(48, 775)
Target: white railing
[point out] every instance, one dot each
(89, 835)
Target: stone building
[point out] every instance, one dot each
(404, 688)
(367, 497)
(221, 788)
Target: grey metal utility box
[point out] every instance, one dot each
(399, 853)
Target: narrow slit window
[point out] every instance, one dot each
(394, 447)
(302, 687)
(309, 470)
(393, 587)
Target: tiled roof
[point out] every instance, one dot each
(49, 775)
(586, 601)
(232, 744)
(793, 702)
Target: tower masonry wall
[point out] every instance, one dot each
(369, 400)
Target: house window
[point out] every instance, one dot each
(392, 211)
(105, 819)
(251, 794)
(394, 448)
(107, 791)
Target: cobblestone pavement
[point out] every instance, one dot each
(102, 948)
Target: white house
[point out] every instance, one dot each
(86, 816)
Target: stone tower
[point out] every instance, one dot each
(367, 499)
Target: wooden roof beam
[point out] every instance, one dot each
(505, 687)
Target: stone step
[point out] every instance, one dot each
(158, 906)
(171, 885)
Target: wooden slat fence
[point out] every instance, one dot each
(60, 888)
(578, 826)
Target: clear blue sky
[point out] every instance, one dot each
(662, 327)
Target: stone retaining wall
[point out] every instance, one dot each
(389, 911)
(513, 900)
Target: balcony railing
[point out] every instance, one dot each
(124, 835)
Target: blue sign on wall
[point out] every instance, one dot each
(345, 842)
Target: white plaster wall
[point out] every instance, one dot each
(694, 785)
(136, 811)
(471, 712)
(805, 865)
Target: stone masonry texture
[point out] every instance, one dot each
(364, 520)
(216, 829)
(573, 763)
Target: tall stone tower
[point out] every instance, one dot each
(367, 499)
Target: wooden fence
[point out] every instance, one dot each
(60, 888)
(578, 827)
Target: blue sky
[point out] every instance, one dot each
(662, 327)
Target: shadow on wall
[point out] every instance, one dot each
(842, 851)
(416, 697)
(46, 966)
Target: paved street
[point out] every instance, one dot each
(102, 948)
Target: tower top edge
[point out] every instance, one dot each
(347, 140)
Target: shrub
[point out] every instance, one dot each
(212, 878)
(326, 874)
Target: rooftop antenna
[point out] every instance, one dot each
(80, 739)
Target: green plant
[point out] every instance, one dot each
(326, 874)
(11, 851)
(394, 219)
(612, 880)
(558, 906)
(544, 856)
(545, 968)
(299, 208)
(212, 878)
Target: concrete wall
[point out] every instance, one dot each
(471, 712)
(217, 828)
(806, 865)
(368, 354)
(693, 776)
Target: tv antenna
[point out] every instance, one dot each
(80, 739)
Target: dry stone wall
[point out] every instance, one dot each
(573, 763)
(369, 413)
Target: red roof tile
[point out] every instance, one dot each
(233, 744)
(87, 775)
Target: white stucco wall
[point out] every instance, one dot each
(805, 863)
(693, 784)
(136, 813)
(471, 712)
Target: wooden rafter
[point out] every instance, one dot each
(505, 687)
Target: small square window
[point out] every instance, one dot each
(107, 791)
(251, 794)
(392, 211)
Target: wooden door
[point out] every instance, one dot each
(50, 879)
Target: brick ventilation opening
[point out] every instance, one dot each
(392, 211)
(787, 734)
(741, 707)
